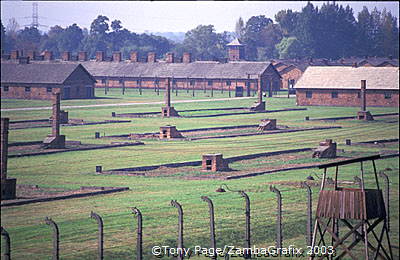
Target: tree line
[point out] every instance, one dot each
(331, 31)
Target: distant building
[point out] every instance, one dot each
(25, 80)
(292, 69)
(340, 86)
(236, 75)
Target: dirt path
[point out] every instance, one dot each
(125, 104)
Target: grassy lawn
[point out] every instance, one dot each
(31, 237)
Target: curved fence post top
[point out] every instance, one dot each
(96, 216)
(136, 211)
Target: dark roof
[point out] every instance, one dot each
(301, 64)
(198, 69)
(47, 73)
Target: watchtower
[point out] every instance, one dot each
(355, 208)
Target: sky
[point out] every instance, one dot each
(160, 16)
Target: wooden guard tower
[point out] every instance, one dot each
(360, 210)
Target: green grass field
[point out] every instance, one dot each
(31, 237)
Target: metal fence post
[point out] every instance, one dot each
(213, 243)
(175, 204)
(309, 213)
(100, 234)
(386, 197)
(139, 241)
(7, 247)
(278, 217)
(56, 238)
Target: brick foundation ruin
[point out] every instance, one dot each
(55, 140)
(168, 110)
(214, 162)
(169, 132)
(364, 114)
(267, 124)
(8, 185)
(325, 149)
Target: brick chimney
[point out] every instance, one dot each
(117, 56)
(14, 54)
(48, 55)
(82, 56)
(66, 56)
(134, 56)
(170, 57)
(187, 57)
(151, 57)
(31, 54)
(99, 55)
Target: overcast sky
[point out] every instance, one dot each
(154, 16)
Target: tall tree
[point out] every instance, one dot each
(205, 44)
(252, 34)
(28, 39)
(307, 29)
(289, 48)
(239, 28)
(288, 20)
(71, 38)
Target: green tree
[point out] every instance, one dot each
(70, 39)
(270, 36)
(51, 40)
(116, 25)
(288, 20)
(239, 29)
(252, 34)
(100, 25)
(307, 29)
(205, 44)
(290, 48)
(28, 39)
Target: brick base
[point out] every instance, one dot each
(258, 106)
(267, 124)
(168, 112)
(168, 132)
(9, 189)
(364, 115)
(325, 149)
(213, 162)
(52, 142)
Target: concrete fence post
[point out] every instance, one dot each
(7, 246)
(247, 213)
(139, 239)
(175, 204)
(386, 197)
(278, 216)
(56, 238)
(213, 243)
(309, 213)
(100, 247)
